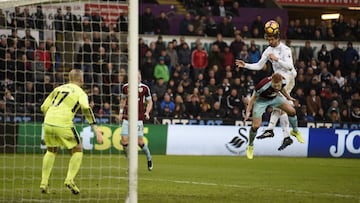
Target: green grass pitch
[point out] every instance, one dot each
(187, 179)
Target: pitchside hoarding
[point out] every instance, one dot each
(227, 140)
(207, 140)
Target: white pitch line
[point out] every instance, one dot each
(305, 193)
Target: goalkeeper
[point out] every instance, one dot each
(59, 109)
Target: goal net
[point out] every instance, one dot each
(40, 42)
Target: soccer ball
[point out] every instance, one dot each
(272, 28)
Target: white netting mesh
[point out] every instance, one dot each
(40, 42)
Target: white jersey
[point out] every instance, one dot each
(284, 65)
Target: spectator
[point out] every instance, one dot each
(219, 9)
(162, 24)
(236, 45)
(258, 25)
(219, 96)
(95, 99)
(167, 103)
(234, 100)
(217, 111)
(313, 102)
(244, 54)
(226, 28)
(184, 57)
(351, 57)
(159, 88)
(324, 55)
(355, 113)
(291, 30)
(59, 24)
(15, 18)
(211, 29)
(70, 22)
(335, 66)
(185, 23)
(339, 78)
(199, 61)
(205, 110)
(161, 70)
(3, 20)
(339, 26)
(321, 117)
(325, 75)
(32, 40)
(147, 22)
(220, 42)
(254, 52)
(300, 96)
(215, 57)
(171, 52)
(353, 81)
(85, 59)
(122, 22)
(193, 107)
(44, 56)
(334, 115)
(180, 109)
(87, 21)
(234, 10)
(306, 53)
(200, 25)
(337, 53)
(99, 23)
(229, 58)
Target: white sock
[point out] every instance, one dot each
(284, 123)
(273, 119)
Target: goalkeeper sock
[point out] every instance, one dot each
(252, 136)
(145, 148)
(48, 163)
(74, 165)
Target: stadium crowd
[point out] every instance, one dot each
(186, 82)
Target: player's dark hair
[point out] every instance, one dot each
(276, 36)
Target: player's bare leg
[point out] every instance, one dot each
(145, 148)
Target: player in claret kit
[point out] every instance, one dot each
(144, 96)
(281, 59)
(59, 109)
(269, 91)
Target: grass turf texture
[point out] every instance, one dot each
(103, 178)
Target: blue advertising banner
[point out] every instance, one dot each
(325, 142)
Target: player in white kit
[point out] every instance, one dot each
(281, 59)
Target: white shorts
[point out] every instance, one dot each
(290, 82)
(125, 128)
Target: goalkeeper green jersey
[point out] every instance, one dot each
(62, 104)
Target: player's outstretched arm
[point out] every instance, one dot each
(240, 63)
(98, 133)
